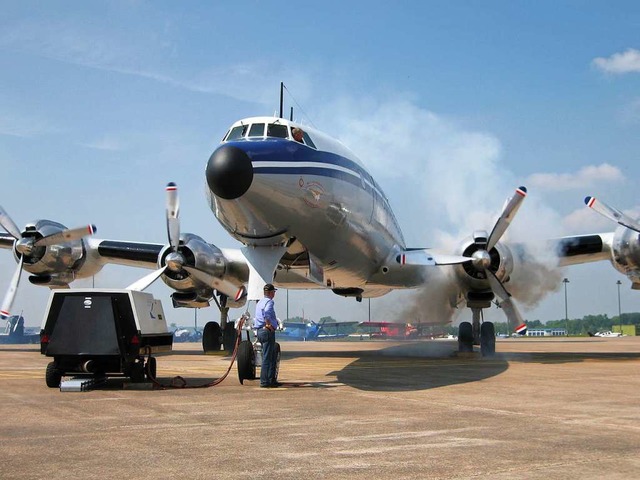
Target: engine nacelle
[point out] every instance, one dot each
(54, 265)
(625, 254)
(498, 260)
(206, 258)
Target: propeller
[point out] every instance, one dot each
(481, 258)
(175, 260)
(25, 246)
(612, 213)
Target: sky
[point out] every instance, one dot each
(451, 106)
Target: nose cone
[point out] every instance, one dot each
(229, 172)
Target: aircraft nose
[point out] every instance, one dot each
(229, 172)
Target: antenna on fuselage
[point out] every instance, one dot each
(281, 97)
(291, 115)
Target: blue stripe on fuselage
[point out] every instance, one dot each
(285, 151)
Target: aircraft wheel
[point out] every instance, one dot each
(465, 337)
(53, 376)
(229, 337)
(487, 339)
(152, 367)
(246, 361)
(211, 337)
(278, 354)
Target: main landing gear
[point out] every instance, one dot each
(215, 336)
(482, 334)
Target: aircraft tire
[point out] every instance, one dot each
(211, 337)
(53, 376)
(465, 337)
(487, 339)
(246, 361)
(229, 337)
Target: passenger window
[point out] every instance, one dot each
(236, 132)
(308, 141)
(256, 130)
(275, 130)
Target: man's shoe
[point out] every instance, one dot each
(276, 384)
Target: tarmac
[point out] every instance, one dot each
(542, 408)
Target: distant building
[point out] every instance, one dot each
(547, 332)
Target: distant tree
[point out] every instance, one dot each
(328, 320)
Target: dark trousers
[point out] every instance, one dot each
(268, 371)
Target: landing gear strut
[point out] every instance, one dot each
(216, 335)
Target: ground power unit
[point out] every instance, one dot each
(93, 334)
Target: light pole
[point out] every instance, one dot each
(618, 283)
(566, 307)
(287, 304)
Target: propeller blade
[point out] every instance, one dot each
(5, 310)
(496, 286)
(508, 213)
(223, 286)
(612, 213)
(146, 281)
(9, 225)
(512, 314)
(507, 305)
(173, 212)
(67, 235)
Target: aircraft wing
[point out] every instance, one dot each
(578, 249)
(136, 254)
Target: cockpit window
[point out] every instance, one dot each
(279, 131)
(307, 140)
(236, 132)
(256, 130)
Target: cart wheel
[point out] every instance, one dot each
(152, 366)
(136, 372)
(278, 354)
(211, 337)
(53, 376)
(246, 361)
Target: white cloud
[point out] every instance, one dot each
(619, 63)
(585, 177)
(143, 54)
(20, 125)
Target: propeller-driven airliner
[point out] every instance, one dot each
(308, 215)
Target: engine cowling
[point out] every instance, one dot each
(625, 254)
(208, 259)
(498, 260)
(50, 265)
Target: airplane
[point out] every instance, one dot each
(309, 216)
(311, 330)
(389, 330)
(607, 334)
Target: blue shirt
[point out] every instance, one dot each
(265, 311)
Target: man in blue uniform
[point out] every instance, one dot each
(265, 322)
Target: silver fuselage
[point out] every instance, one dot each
(319, 201)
